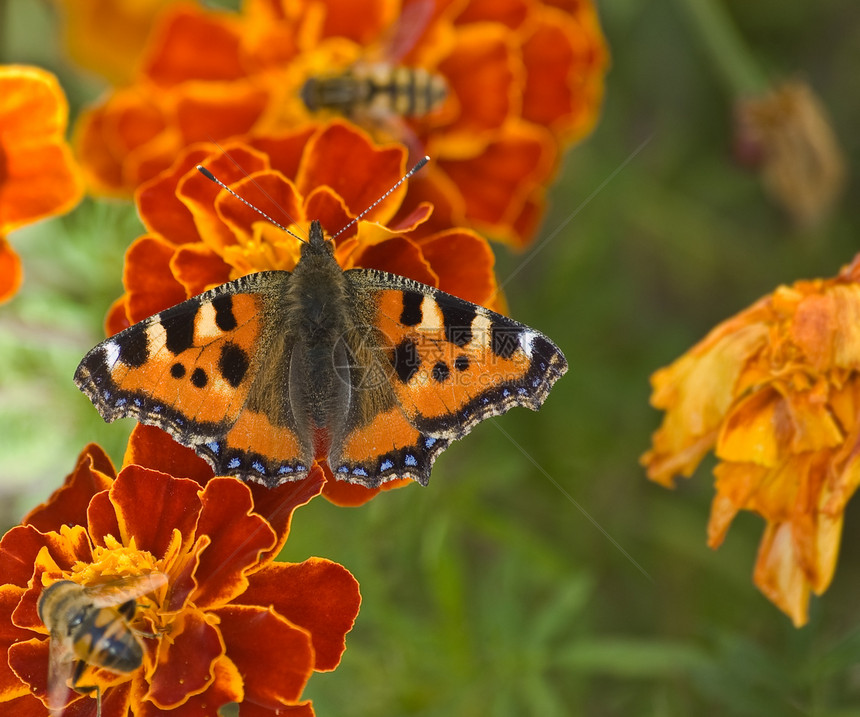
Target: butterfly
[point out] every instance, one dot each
(374, 372)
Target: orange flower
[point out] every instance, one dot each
(199, 236)
(522, 82)
(230, 625)
(776, 392)
(38, 177)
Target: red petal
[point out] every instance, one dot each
(480, 74)
(11, 273)
(26, 706)
(303, 709)
(225, 688)
(102, 519)
(398, 255)
(238, 539)
(117, 316)
(215, 110)
(198, 268)
(276, 505)
(28, 661)
(186, 661)
(148, 280)
(150, 447)
(343, 158)
(349, 495)
(269, 192)
(68, 505)
(274, 658)
(464, 262)
(20, 546)
(178, 56)
(285, 152)
(151, 505)
(160, 210)
(10, 685)
(318, 595)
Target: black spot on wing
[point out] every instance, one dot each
(504, 337)
(233, 364)
(457, 318)
(440, 372)
(199, 379)
(224, 318)
(177, 370)
(411, 314)
(406, 360)
(461, 363)
(133, 347)
(178, 324)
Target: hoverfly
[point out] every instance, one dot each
(382, 92)
(91, 625)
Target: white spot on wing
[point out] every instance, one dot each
(205, 328)
(526, 339)
(111, 354)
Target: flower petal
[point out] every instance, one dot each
(274, 658)
(11, 273)
(226, 687)
(185, 662)
(175, 58)
(68, 505)
(344, 158)
(239, 538)
(150, 447)
(22, 544)
(10, 686)
(318, 595)
(149, 284)
(151, 505)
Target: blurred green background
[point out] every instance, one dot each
(540, 573)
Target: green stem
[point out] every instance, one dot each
(729, 54)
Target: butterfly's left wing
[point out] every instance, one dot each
(212, 372)
(451, 364)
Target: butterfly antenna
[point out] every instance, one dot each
(400, 181)
(211, 177)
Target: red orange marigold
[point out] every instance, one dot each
(230, 625)
(524, 80)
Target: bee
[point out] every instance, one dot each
(384, 91)
(91, 625)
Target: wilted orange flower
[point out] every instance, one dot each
(38, 177)
(775, 391)
(199, 236)
(523, 81)
(230, 625)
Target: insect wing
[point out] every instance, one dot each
(405, 31)
(61, 662)
(117, 592)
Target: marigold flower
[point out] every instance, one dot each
(230, 625)
(38, 177)
(200, 237)
(523, 82)
(775, 391)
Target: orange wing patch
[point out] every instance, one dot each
(456, 363)
(388, 447)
